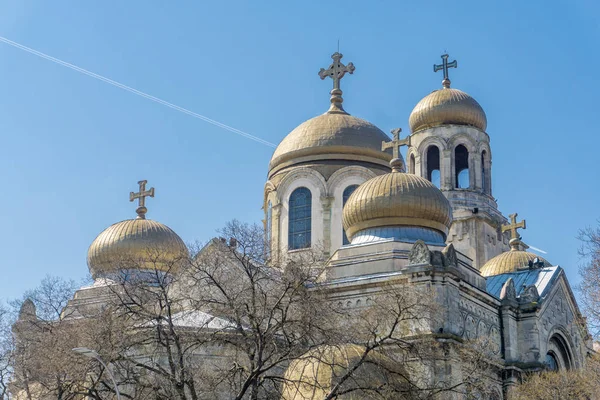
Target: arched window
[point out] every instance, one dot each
(433, 165)
(269, 223)
(347, 192)
(461, 167)
(299, 228)
(411, 168)
(483, 171)
(551, 361)
(558, 355)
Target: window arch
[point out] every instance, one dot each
(558, 355)
(299, 221)
(461, 167)
(347, 192)
(433, 165)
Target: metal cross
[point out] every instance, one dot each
(141, 195)
(396, 143)
(444, 66)
(513, 226)
(336, 70)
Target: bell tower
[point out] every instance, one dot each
(449, 146)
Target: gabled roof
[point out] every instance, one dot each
(541, 278)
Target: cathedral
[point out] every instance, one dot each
(339, 183)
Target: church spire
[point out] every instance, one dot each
(444, 66)
(336, 71)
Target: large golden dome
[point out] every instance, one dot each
(136, 244)
(447, 106)
(397, 199)
(510, 261)
(334, 135)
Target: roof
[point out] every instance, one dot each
(542, 278)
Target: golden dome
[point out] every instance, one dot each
(397, 199)
(334, 135)
(314, 374)
(510, 261)
(447, 106)
(135, 244)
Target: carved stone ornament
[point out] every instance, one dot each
(450, 259)
(529, 295)
(508, 291)
(419, 254)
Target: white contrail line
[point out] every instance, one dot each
(538, 250)
(135, 91)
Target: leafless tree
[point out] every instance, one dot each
(230, 323)
(575, 384)
(590, 274)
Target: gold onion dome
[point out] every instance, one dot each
(314, 374)
(397, 199)
(511, 261)
(447, 106)
(517, 258)
(335, 135)
(136, 244)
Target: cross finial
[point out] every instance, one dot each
(141, 195)
(515, 238)
(336, 71)
(396, 163)
(445, 65)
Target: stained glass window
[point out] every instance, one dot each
(347, 192)
(300, 214)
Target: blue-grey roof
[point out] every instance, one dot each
(542, 278)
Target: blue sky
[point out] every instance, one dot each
(73, 147)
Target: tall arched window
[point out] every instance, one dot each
(461, 167)
(433, 165)
(411, 165)
(269, 223)
(347, 192)
(299, 228)
(486, 176)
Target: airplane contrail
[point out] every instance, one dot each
(135, 91)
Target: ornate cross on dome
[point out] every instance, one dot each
(513, 226)
(141, 195)
(336, 71)
(445, 65)
(395, 145)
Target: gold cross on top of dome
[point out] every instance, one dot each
(141, 195)
(513, 227)
(336, 70)
(395, 144)
(445, 65)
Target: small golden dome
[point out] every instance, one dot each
(447, 106)
(334, 135)
(397, 199)
(135, 244)
(314, 374)
(510, 261)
